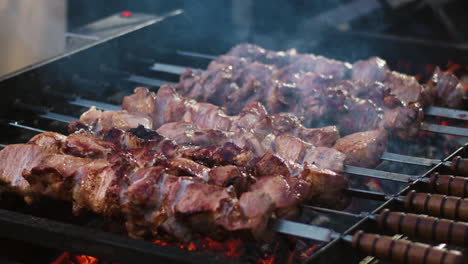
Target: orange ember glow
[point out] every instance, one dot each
(67, 258)
(306, 254)
(230, 248)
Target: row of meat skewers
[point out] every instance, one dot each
(206, 171)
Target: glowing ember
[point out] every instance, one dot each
(266, 260)
(230, 248)
(306, 254)
(67, 258)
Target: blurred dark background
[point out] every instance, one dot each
(443, 20)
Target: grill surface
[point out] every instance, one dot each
(49, 95)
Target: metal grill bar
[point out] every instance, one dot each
(446, 112)
(147, 81)
(457, 131)
(196, 54)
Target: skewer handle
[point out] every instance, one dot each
(403, 251)
(449, 185)
(450, 207)
(459, 166)
(425, 227)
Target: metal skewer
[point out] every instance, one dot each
(428, 228)
(450, 207)
(383, 247)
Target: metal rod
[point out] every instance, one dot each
(384, 175)
(169, 68)
(196, 54)
(97, 104)
(333, 211)
(147, 81)
(409, 159)
(15, 124)
(446, 112)
(58, 117)
(366, 194)
(456, 131)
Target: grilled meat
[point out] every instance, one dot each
(318, 90)
(205, 124)
(362, 149)
(164, 190)
(446, 89)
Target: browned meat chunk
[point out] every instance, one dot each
(320, 137)
(53, 175)
(290, 148)
(281, 191)
(362, 115)
(97, 120)
(207, 116)
(50, 141)
(327, 188)
(229, 175)
(189, 133)
(185, 167)
(446, 89)
(405, 87)
(84, 144)
(325, 158)
(256, 53)
(404, 121)
(363, 148)
(141, 101)
(371, 70)
(16, 160)
(269, 165)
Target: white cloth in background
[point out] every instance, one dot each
(30, 31)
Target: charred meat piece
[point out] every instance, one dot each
(363, 148)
